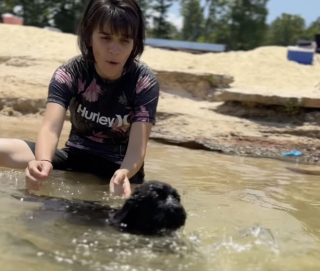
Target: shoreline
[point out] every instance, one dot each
(230, 143)
(249, 147)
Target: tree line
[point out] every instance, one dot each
(240, 24)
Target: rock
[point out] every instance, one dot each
(308, 99)
(312, 117)
(8, 111)
(199, 85)
(22, 105)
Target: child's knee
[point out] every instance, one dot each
(14, 153)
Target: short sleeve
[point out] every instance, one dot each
(146, 97)
(60, 88)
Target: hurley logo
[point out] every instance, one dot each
(102, 119)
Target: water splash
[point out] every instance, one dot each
(252, 238)
(100, 250)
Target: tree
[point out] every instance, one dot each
(145, 8)
(286, 30)
(247, 24)
(192, 20)
(35, 12)
(161, 27)
(144, 5)
(67, 14)
(313, 29)
(216, 25)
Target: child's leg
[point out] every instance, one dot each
(14, 153)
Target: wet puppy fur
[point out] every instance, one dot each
(154, 208)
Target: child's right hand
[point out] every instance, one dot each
(36, 173)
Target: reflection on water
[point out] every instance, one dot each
(243, 214)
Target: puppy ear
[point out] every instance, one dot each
(127, 211)
(122, 213)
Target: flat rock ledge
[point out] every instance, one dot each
(288, 99)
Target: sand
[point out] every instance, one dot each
(262, 68)
(29, 56)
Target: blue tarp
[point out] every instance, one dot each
(186, 45)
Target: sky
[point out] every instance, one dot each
(308, 9)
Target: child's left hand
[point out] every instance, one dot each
(119, 184)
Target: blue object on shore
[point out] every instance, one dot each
(300, 55)
(292, 153)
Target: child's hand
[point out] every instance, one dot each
(36, 173)
(119, 184)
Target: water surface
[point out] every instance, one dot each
(243, 214)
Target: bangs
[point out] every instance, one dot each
(121, 22)
(122, 18)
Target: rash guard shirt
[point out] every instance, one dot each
(102, 111)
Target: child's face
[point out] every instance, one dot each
(110, 52)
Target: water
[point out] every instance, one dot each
(243, 214)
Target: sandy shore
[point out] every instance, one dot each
(29, 56)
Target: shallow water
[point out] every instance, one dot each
(243, 214)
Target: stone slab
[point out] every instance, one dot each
(305, 98)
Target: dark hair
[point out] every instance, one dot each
(125, 18)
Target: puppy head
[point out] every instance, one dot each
(153, 208)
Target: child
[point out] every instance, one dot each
(112, 98)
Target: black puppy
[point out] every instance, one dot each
(153, 208)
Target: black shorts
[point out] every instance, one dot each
(72, 159)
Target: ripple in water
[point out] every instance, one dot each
(96, 250)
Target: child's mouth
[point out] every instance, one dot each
(112, 63)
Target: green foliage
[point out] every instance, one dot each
(145, 7)
(286, 30)
(33, 12)
(248, 24)
(313, 29)
(161, 27)
(192, 20)
(67, 14)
